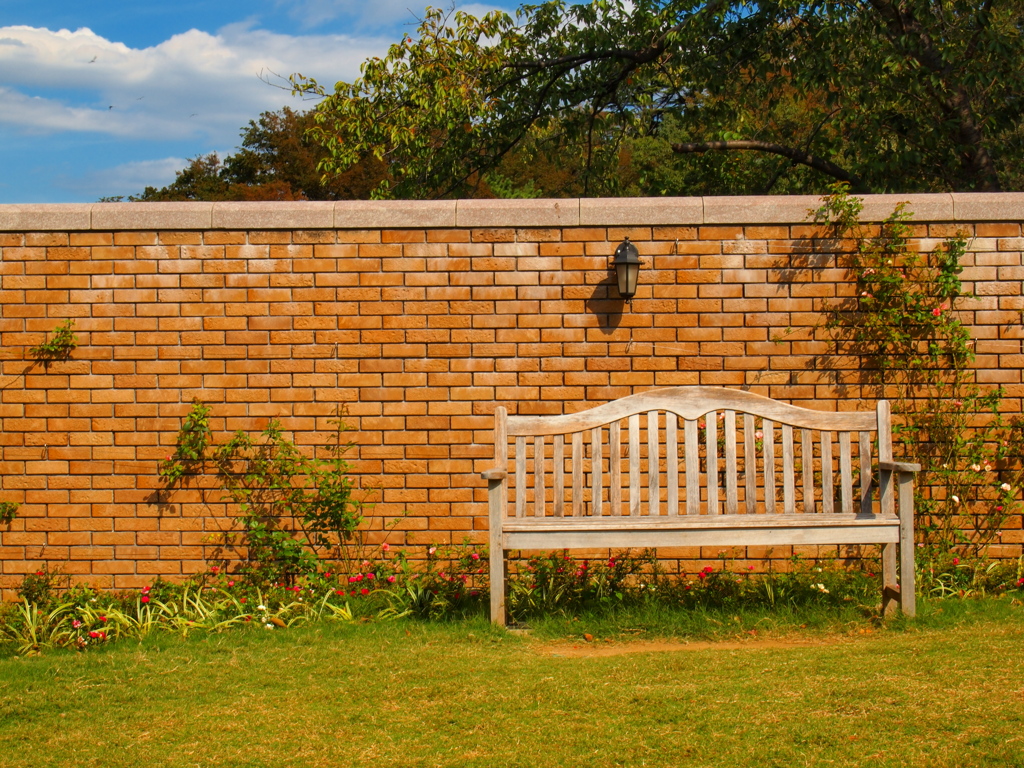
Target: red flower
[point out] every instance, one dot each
(370, 576)
(364, 591)
(145, 598)
(214, 569)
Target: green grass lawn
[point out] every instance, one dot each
(945, 690)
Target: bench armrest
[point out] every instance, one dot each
(494, 474)
(898, 466)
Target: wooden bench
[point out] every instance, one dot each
(700, 467)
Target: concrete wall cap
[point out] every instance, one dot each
(300, 214)
(637, 211)
(518, 213)
(780, 209)
(45, 217)
(397, 214)
(988, 206)
(393, 214)
(152, 216)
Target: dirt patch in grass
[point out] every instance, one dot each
(605, 647)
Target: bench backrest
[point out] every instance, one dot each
(692, 451)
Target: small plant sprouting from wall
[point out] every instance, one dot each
(8, 511)
(904, 326)
(59, 347)
(294, 509)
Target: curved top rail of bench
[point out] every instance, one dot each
(691, 403)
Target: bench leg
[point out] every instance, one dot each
(497, 585)
(495, 512)
(908, 589)
(890, 590)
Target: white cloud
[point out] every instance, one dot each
(193, 84)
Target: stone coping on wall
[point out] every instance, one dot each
(398, 214)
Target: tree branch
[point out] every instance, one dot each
(796, 155)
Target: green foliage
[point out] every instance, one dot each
(555, 582)
(277, 160)
(8, 511)
(60, 346)
(904, 327)
(925, 98)
(295, 510)
(191, 446)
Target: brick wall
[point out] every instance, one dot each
(420, 318)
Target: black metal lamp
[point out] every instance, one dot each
(627, 268)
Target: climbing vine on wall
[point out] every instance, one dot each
(905, 327)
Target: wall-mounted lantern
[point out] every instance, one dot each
(627, 268)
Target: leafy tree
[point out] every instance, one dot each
(910, 95)
(276, 161)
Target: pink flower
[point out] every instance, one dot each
(76, 623)
(936, 312)
(432, 550)
(956, 561)
(475, 556)
(385, 547)
(231, 583)
(371, 576)
(391, 579)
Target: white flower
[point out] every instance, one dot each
(975, 468)
(269, 626)
(1006, 487)
(956, 499)
(261, 607)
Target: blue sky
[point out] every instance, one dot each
(101, 99)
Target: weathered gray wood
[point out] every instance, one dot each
(634, 464)
(885, 479)
(807, 464)
(691, 448)
(653, 465)
(749, 464)
(731, 496)
(497, 509)
(615, 468)
(845, 473)
(890, 580)
(539, 486)
(577, 474)
(711, 459)
(559, 475)
(788, 470)
(828, 488)
(768, 429)
(865, 473)
(640, 522)
(672, 463)
(520, 476)
(907, 587)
